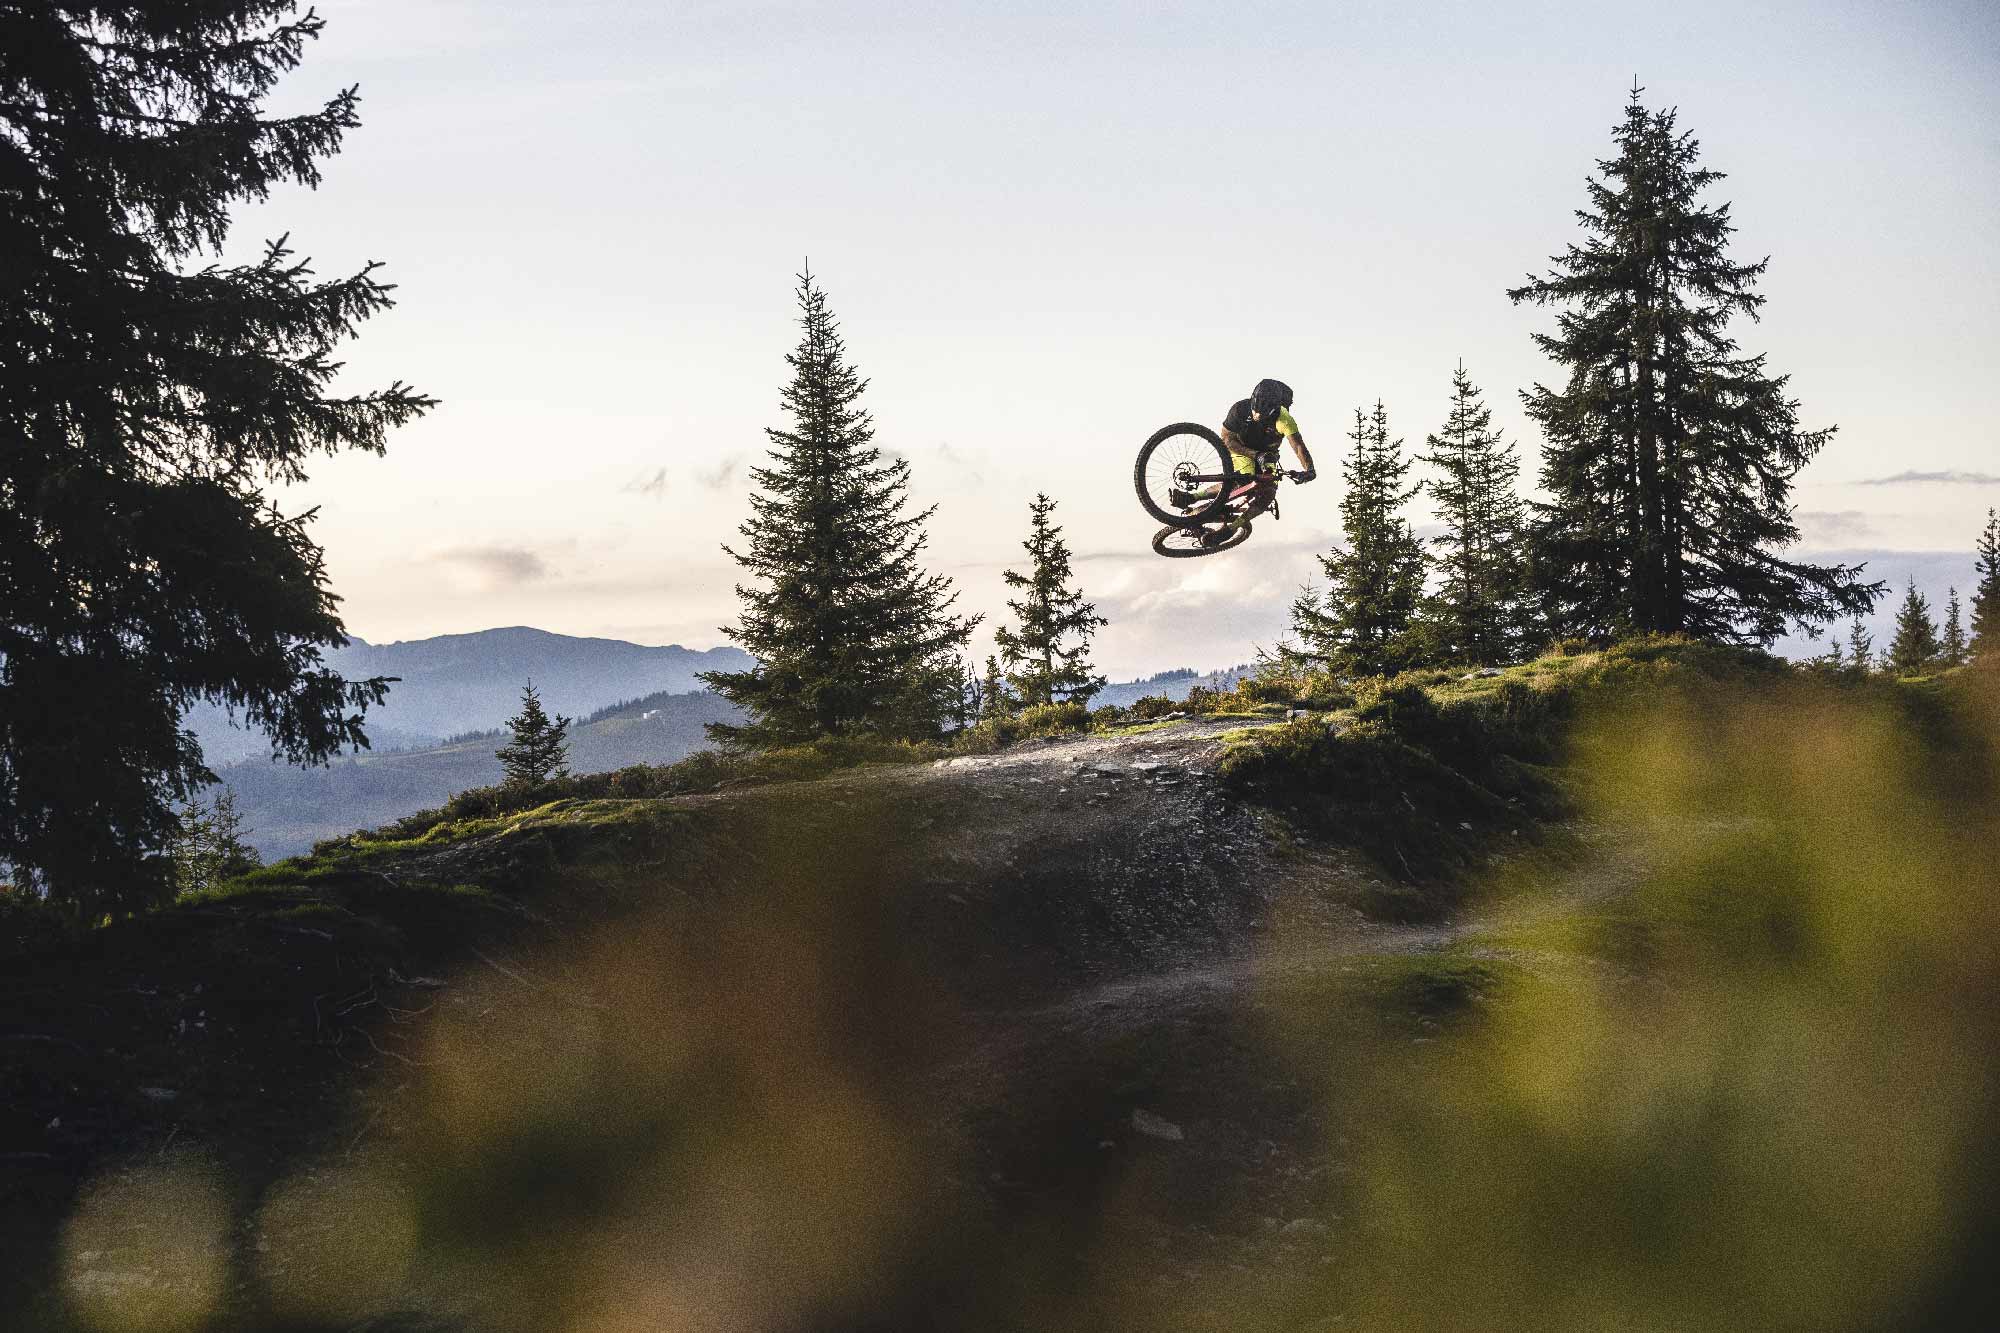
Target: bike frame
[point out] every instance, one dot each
(1243, 499)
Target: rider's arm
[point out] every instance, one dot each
(1290, 430)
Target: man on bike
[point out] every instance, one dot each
(1252, 429)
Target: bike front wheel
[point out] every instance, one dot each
(1177, 542)
(1184, 475)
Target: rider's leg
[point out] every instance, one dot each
(1259, 488)
(1242, 468)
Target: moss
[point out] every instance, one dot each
(1139, 728)
(1431, 983)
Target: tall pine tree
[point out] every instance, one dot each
(1986, 595)
(850, 634)
(1363, 624)
(1478, 612)
(1670, 454)
(150, 395)
(1049, 613)
(1915, 646)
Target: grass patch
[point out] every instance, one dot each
(1429, 772)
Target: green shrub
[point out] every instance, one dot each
(1246, 696)
(1151, 708)
(28, 924)
(1053, 719)
(1036, 720)
(1200, 699)
(1260, 690)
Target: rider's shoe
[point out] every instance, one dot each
(1181, 499)
(1215, 536)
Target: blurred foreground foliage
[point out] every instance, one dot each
(1742, 1078)
(1760, 1089)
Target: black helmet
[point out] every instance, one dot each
(1270, 395)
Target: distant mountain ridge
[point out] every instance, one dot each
(457, 683)
(286, 808)
(1173, 684)
(637, 705)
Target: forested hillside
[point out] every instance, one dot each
(285, 808)
(455, 683)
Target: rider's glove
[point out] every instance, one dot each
(1306, 476)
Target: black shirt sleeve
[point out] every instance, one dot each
(1238, 419)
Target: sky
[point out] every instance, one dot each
(1048, 229)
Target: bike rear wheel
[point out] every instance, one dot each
(1178, 542)
(1176, 466)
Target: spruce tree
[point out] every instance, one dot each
(1362, 626)
(1953, 650)
(234, 855)
(1915, 647)
(1049, 612)
(850, 634)
(1478, 613)
(207, 847)
(1670, 454)
(149, 396)
(967, 711)
(539, 751)
(1986, 596)
(993, 700)
(1860, 646)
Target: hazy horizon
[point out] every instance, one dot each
(1047, 231)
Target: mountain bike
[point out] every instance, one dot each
(1186, 478)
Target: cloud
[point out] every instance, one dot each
(716, 476)
(654, 486)
(494, 566)
(1949, 478)
(961, 460)
(719, 476)
(1820, 528)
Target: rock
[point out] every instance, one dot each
(1148, 766)
(159, 1094)
(1155, 1127)
(1489, 672)
(1464, 825)
(1305, 1226)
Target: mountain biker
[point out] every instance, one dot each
(1252, 430)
